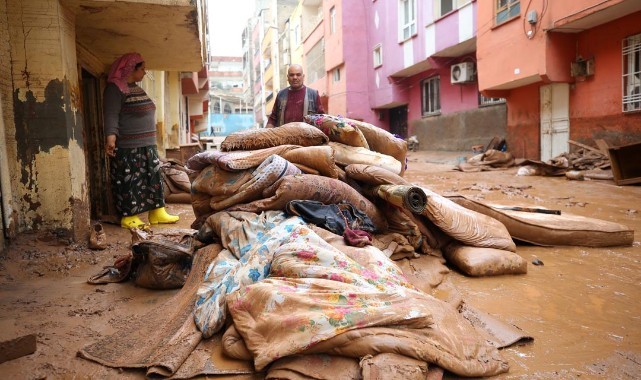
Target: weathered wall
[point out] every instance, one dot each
(523, 120)
(7, 130)
(460, 130)
(44, 122)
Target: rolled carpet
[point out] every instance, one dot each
(410, 197)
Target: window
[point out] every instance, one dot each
(378, 55)
(332, 20)
(337, 75)
(485, 101)
(431, 97)
(446, 6)
(406, 19)
(506, 10)
(632, 73)
(297, 35)
(315, 62)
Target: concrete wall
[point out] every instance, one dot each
(43, 121)
(596, 101)
(523, 121)
(460, 130)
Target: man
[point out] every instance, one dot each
(295, 101)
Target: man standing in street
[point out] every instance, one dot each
(296, 101)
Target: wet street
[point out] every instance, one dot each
(581, 305)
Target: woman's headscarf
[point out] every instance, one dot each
(122, 68)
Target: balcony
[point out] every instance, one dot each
(169, 34)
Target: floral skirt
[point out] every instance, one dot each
(136, 180)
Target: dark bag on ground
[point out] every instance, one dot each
(162, 263)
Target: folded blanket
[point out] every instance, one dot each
(270, 171)
(236, 160)
(301, 134)
(313, 187)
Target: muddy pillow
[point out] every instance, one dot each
(338, 130)
(373, 175)
(380, 140)
(347, 155)
(301, 134)
(477, 262)
(318, 158)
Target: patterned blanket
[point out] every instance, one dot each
(289, 291)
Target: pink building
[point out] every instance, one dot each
(570, 70)
(409, 66)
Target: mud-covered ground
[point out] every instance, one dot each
(582, 306)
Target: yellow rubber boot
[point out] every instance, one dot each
(129, 222)
(160, 215)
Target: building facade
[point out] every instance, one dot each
(55, 58)
(390, 63)
(569, 70)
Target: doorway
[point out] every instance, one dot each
(555, 120)
(97, 164)
(398, 121)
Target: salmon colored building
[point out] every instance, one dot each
(569, 71)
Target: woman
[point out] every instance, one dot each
(130, 130)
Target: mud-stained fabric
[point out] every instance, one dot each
(500, 334)
(551, 230)
(295, 133)
(478, 262)
(136, 180)
(312, 187)
(161, 339)
(427, 273)
(270, 171)
(220, 183)
(490, 160)
(234, 345)
(200, 203)
(315, 294)
(374, 175)
(314, 367)
(393, 366)
(237, 160)
(246, 259)
(209, 358)
(400, 223)
(411, 198)
(380, 140)
(319, 158)
(318, 295)
(338, 130)
(467, 226)
(347, 155)
(395, 246)
(333, 217)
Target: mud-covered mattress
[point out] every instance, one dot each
(550, 229)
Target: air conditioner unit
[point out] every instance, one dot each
(582, 68)
(462, 72)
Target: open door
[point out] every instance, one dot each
(555, 120)
(100, 197)
(398, 121)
